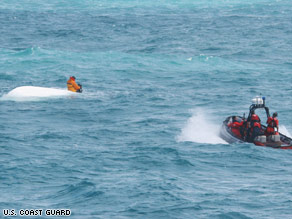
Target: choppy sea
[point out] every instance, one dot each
(141, 141)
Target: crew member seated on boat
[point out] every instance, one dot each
(244, 128)
(273, 123)
(72, 85)
(255, 126)
(236, 127)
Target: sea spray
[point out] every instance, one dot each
(201, 128)
(284, 131)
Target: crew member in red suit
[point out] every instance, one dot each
(273, 123)
(255, 125)
(236, 126)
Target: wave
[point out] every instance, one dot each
(201, 129)
(32, 93)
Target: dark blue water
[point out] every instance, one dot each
(141, 141)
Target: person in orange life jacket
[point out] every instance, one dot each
(273, 123)
(255, 125)
(72, 85)
(236, 126)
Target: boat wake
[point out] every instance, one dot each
(32, 93)
(201, 130)
(284, 131)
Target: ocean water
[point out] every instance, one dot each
(141, 141)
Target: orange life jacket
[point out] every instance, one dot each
(72, 85)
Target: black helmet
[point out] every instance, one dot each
(275, 114)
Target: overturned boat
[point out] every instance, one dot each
(278, 140)
(32, 93)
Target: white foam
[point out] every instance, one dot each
(201, 130)
(25, 93)
(284, 131)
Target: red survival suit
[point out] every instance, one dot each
(272, 124)
(235, 128)
(255, 121)
(255, 126)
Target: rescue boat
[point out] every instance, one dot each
(279, 141)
